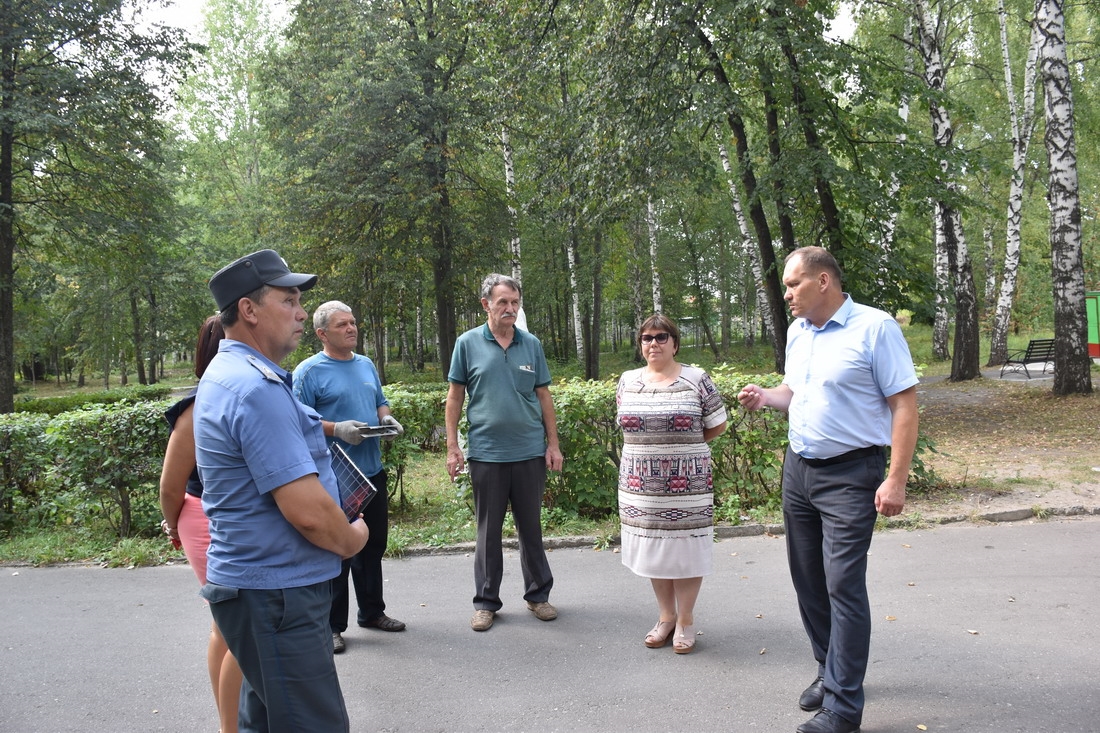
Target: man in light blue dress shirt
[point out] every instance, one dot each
(849, 390)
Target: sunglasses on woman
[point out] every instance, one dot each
(658, 337)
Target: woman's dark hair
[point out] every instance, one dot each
(660, 322)
(209, 335)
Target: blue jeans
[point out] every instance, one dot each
(282, 641)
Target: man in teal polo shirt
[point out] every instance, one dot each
(511, 442)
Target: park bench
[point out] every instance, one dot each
(1038, 350)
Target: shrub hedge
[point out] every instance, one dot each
(103, 461)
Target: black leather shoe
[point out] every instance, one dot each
(383, 622)
(827, 722)
(813, 696)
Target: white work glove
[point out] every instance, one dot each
(348, 431)
(391, 421)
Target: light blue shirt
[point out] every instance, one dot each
(344, 389)
(504, 412)
(252, 436)
(841, 375)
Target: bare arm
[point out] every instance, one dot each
(754, 397)
(710, 434)
(456, 395)
(306, 505)
(550, 423)
(890, 497)
(179, 462)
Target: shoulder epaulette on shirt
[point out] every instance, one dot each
(268, 372)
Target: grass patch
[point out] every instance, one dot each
(53, 545)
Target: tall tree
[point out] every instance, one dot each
(1021, 115)
(1072, 366)
(948, 221)
(77, 93)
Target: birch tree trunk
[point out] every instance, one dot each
(748, 254)
(1071, 360)
(513, 218)
(513, 215)
(654, 274)
(964, 364)
(574, 257)
(890, 226)
(1022, 121)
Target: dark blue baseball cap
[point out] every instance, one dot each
(241, 277)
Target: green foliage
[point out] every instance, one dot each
(65, 403)
(112, 455)
(747, 458)
(420, 412)
(23, 464)
(589, 438)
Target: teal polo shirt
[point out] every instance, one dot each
(504, 413)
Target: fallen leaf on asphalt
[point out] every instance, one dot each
(891, 618)
(922, 727)
(764, 650)
(906, 546)
(911, 585)
(760, 615)
(972, 632)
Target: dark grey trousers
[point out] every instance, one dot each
(829, 517)
(495, 486)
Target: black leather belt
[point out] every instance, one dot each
(871, 450)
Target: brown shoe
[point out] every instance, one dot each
(482, 620)
(543, 611)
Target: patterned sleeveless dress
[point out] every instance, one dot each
(666, 493)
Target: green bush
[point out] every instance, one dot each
(24, 461)
(420, 412)
(112, 454)
(103, 462)
(747, 458)
(77, 400)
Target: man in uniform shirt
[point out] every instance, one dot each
(277, 530)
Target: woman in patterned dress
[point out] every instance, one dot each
(668, 413)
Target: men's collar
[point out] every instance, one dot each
(488, 335)
(228, 344)
(839, 316)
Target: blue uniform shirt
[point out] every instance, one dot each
(344, 389)
(504, 412)
(252, 436)
(841, 375)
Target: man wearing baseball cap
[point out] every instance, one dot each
(277, 531)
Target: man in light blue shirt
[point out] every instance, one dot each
(849, 390)
(277, 530)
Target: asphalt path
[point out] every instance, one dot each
(977, 628)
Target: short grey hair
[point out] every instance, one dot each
(324, 312)
(496, 279)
